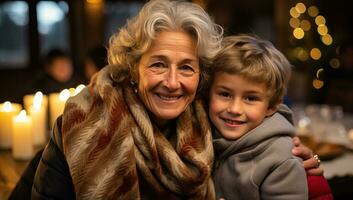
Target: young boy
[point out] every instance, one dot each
(253, 131)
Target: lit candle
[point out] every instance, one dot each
(7, 111)
(38, 116)
(57, 104)
(28, 101)
(22, 137)
(78, 89)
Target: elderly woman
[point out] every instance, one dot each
(139, 131)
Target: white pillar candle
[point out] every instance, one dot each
(38, 116)
(57, 104)
(7, 111)
(29, 98)
(22, 140)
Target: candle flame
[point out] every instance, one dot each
(79, 88)
(7, 106)
(37, 100)
(22, 116)
(72, 91)
(64, 95)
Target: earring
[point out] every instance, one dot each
(133, 85)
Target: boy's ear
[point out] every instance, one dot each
(271, 110)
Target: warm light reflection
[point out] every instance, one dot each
(315, 53)
(320, 20)
(305, 25)
(294, 22)
(79, 88)
(335, 63)
(300, 8)
(322, 29)
(64, 95)
(37, 101)
(301, 54)
(317, 84)
(298, 33)
(313, 11)
(6, 107)
(293, 12)
(22, 117)
(94, 1)
(318, 72)
(327, 39)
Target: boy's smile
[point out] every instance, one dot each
(237, 105)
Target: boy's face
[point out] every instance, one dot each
(237, 105)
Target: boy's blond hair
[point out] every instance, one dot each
(257, 60)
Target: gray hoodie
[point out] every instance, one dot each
(260, 164)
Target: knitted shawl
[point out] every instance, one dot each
(115, 151)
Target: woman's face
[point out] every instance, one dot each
(168, 74)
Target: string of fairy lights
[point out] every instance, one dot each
(303, 22)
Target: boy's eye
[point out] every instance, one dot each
(251, 98)
(224, 94)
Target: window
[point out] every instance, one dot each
(53, 25)
(13, 34)
(117, 13)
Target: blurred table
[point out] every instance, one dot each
(10, 172)
(339, 173)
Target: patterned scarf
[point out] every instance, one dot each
(115, 151)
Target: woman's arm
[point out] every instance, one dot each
(311, 164)
(52, 179)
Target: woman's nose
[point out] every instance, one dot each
(172, 80)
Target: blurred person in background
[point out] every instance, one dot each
(95, 60)
(57, 74)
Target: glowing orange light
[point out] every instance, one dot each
(313, 11)
(294, 22)
(305, 25)
(315, 53)
(335, 63)
(298, 33)
(327, 39)
(317, 84)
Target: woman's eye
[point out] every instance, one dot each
(158, 64)
(187, 68)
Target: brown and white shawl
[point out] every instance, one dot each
(114, 151)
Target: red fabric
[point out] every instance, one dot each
(319, 188)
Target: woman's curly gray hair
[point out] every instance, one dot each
(128, 45)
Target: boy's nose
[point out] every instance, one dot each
(235, 107)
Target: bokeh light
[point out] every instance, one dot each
(315, 53)
(335, 63)
(300, 7)
(294, 22)
(313, 11)
(294, 13)
(322, 29)
(317, 84)
(298, 33)
(301, 54)
(327, 39)
(318, 72)
(305, 25)
(320, 20)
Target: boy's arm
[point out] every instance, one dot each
(287, 181)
